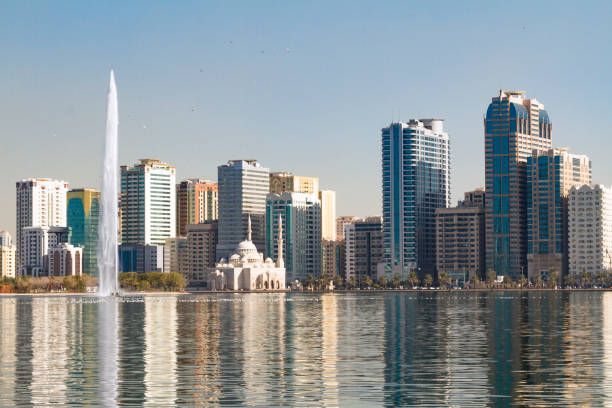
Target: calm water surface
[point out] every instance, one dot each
(393, 349)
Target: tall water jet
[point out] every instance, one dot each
(107, 227)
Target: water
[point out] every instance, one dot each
(425, 349)
(107, 240)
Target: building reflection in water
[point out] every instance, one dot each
(607, 347)
(329, 305)
(108, 351)
(8, 350)
(160, 351)
(49, 351)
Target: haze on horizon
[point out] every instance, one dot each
(303, 87)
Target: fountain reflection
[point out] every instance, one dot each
(8, 350)
(108, 351)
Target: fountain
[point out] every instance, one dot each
(107, 227)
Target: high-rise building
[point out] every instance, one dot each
(550, 175)
(515, 127)
(243, 186)
(40, 202)
(201, 250)
(329, 258)
(363, 245)
(83, 213)
(590, 229)
(196, 202)
(328, 214)
(300, 214)
(341, 222)
(37, 241)
(5, 238)
(65, 260)
(460, 238)
(148, 203)
(415, 181)
(7, 261)
(282, 181)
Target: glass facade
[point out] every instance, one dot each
(514, 128)
(415, 181)
(83, 213)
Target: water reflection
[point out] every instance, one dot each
(437, 349)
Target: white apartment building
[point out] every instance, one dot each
(7, 261)
(590, 229)
(328, 214)
(300, 215)
(5, 238)
(148, 203)
(65, 260)
(36, 243)
(40, 202)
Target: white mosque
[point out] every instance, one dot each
(247, 270)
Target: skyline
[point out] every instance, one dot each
(177, 105)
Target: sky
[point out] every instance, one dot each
(303, 87)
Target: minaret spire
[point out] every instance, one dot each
(249, 232)
(280, 263)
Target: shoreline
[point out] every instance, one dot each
(340, 291)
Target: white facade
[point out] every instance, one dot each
(7, 261)
(300, 215)
(590, 229)
(328, 214)
(148, 202)
(5, 238)
(349, 249)
(37, 241)
(246, 269)
(65, 260)
(243, 186)
(40, 202)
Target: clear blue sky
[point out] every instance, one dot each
(302, 86)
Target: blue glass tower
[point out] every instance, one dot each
(415, 181)
(82, 212)
(515, 128)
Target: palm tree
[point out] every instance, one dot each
(537, 281)
(338, 281)
(491, 275)
(569, 280)
(367, 281)
(522, 281)
(413, 280)
(553, 277)
(397, 281)
(310, 281)
(507, 281)
(382, 281)
(427, 280)
(474, 280)
(444, 280)
(352, 283)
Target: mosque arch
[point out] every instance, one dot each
(265, 284)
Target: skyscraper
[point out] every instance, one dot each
(415, 181)
(83, 214)
(196, 202)
(328, 214)
(243, 186)
(301, 217)
(550, 175)
(40, 202)
(515, 127)
(148, 204)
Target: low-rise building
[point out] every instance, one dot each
(141, 258)
(65, 260)
(36, 242)
(7, 261)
